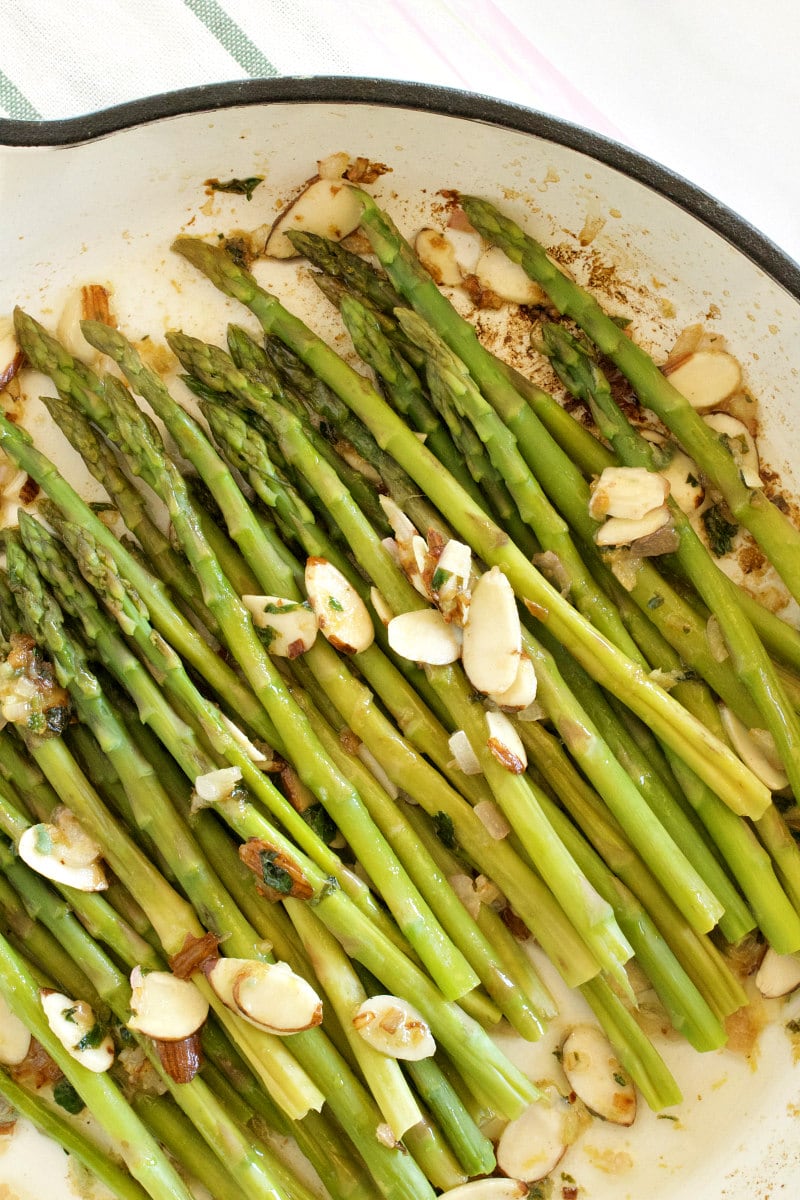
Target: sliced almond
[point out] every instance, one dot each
(629, 492)
(706, 377)
(381, 605)
(741, 444)
(492, 635)
(89, 302)
(75, 1025)
(46, 850)
(240, 737)
(181, 1060)
(216, 786)
(467, 246)
(293, 625)
(492, 819)
(438, 257)
(450, 581)
(533, 1145)
(522, 692)
(488, 1189)
(165, 1007)
(333, 166)
(328, 207)
(597, 1077)
(342, 615)
(402, 528)
(15, 1037)
(505, 743)
(683, 477)
(778, 975)
(620, 531)
(393, 1027)
(424, 636)
(462, 752)
(464, 887)
(756, 749)
(507, 279)
(276, 999)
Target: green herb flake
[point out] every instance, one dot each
(620, 1079)
(69, 1013)
(316, 816)
(92, 1039)
(655, 601)
(67, 1098)
(335, 604)
(719, 530)
(440, 578)
(266, 634)
(274, 877)
(238, 187)
(690, 479)
(793, 1026)
(445, 831)
(666, 1117)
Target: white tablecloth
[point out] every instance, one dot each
(708, 87)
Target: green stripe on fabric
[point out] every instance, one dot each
(18, 107)
(232, 38)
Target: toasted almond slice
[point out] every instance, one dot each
(488, 1189)
(75, 1025)
(467, 247)
(216, 786)
(381, 605)
(181, 1060)
(402, 528)
(620, 531)
(165, 1007)
(329, 207)
(240, 737)
(778, 975)
(493, 819)
(522, 692)
(91, 301)
(422, 635)
(44, 849)
(221, 974)
(597, 1077)
(756, 749)
(706, 377)
(464, 887)
(376, 770)
(681, 473)
(393, 1027)
(740, 443)
(333, 166)
(276, 999)
(629, 492)
(505, 743)
(342, 615)
(492, 634)
(462, 752)
(533, 1145)
(15, 1037)
(507, 279)
(293, 625)
(450, 581)
(438, 257)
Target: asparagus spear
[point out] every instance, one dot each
(779, 539)
(712, 761)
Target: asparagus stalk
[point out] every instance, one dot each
(779, 539)
(706, 755)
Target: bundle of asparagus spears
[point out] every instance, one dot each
(286, 789)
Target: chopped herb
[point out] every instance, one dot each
(92, 1039)
(558, 1054)
(719, 530)
(690, 479)
(240, 252)
(445, 831)
(288, 606)
(793, 1026)
(620, 1079)
(335, 604)
(274, 876)
(440, 578)
(239, 187)
(267, 635)
(44, 843)
(316, 816)
(666, 1117)
(655, 601)
(69, 1013)
(67, 1098)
